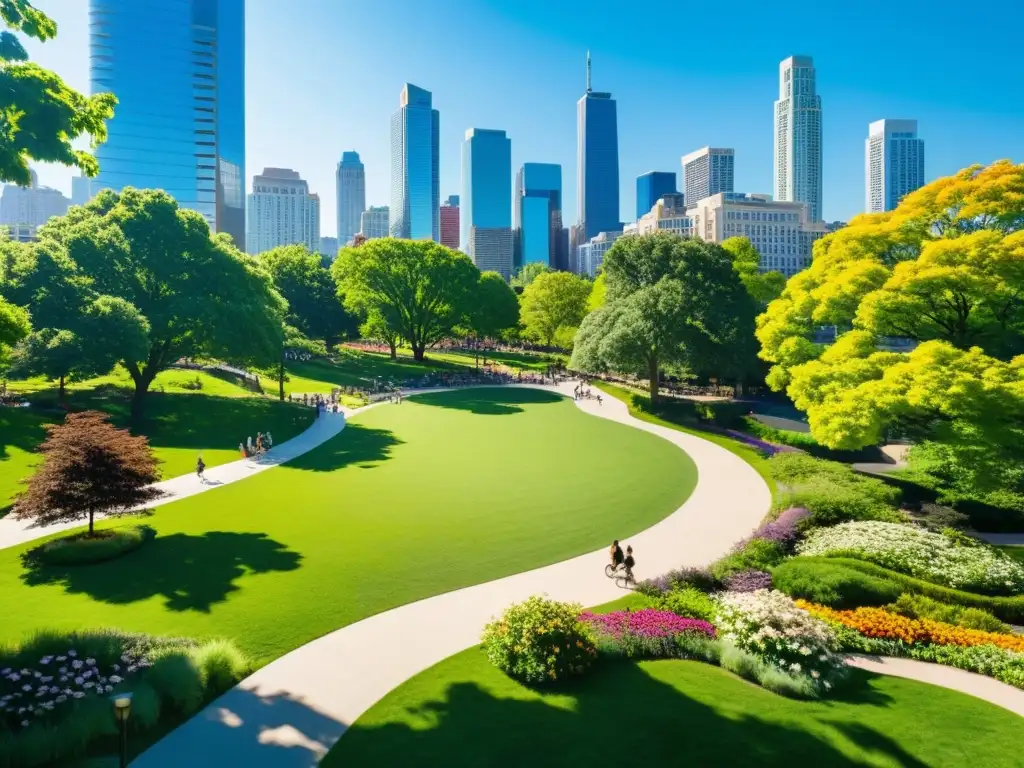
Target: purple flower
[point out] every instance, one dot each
(647, 623)
(782, 530)
(748, 581)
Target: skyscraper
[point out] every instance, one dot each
(282, 212)
(81, 189)
(415, 179)
(450, 222)
(375, 222)
(537, 215)
(329, 247)
(178, 69)
(894, 163)
(350, 180)
(707, 172)
(485, 217)
(650, 187)
(25, 209)
(798, 136)
(597, 162)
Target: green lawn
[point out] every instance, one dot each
(464, 712)
(443, 491)
(1014, 551)
(180, 423)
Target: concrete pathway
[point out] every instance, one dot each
(290, 712)
(14, 532)
(1002, 539)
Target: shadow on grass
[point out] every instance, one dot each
(355, 444)
(192, 573)
(22, 428)
(618, 713)
(489, 401)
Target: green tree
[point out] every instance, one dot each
(598, 293)
(421, 288)
(672, 303)
(198, 294)
(528, 273)
(493, 309)
(313, 304)
(294, 342)
(14, 326)
(376, 328)
(763, 287)
(553, 301)
(40, 116)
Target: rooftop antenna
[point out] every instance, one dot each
(588, 71)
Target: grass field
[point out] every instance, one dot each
(464, 712)
(411, 500)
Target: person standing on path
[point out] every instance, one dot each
(270, 441)
(248, 446)
(200, 468)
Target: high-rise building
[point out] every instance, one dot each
(178, 69)
(25, 209)
(415, 178)
(894, 163)
(81, 189)
(329, 247)
(782, 232)
(591, 253)
(650, 187)
(707, 172)
(350, 181)
(798, 136)
(667, 215)
(597, 162)
(537, 216)
(485, 215)
(450, 223)
(282, 211)
(375, 222)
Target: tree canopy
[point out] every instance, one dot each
(553, 302)
(494, 307)
(671, 303)
(420, 288)
(528, 273)
(40, 116)
(763, 287)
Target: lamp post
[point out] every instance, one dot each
(122, 708)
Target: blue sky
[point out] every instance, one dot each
(323, 76)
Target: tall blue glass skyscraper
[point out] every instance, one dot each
(178, 70)
(650, 187)
(415, 179)
(597, 162)
(486, 200)
(537, 215)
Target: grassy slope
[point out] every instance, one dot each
(409, 501)
(464, 712)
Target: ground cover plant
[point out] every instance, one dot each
(81, 548)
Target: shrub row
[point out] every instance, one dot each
(720, 414)
(805, 442)
(81, 548)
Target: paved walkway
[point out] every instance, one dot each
(14, 532)
(290, 712)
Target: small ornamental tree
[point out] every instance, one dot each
(89, 467)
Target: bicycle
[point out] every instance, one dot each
(612, 571)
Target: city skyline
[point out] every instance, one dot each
(966, 120)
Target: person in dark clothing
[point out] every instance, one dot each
(629, 562)
(200, 468)
(616, 554)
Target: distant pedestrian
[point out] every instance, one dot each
(200, 468)
(270, 441)
(241, 450)
(259, 442)
(248, 445)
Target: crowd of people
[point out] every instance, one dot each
(323, 403)
(582, 392)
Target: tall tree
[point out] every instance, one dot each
(552, 302)
(763, 287)
(198, 294)
(89, 468)
(40, 116)
(377, 328)
(14, 326)
(528, 273)
(421, 288)
(494, 308)
(307, 285)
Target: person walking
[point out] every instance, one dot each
(259, 443)
(200, 468)
(270, 441)
(241, 450)
(248, 445)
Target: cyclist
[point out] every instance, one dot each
(616, 555)
(629, 562)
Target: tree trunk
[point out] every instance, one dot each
(61, 390)
(90, 522)
(139, 397)
(394, 349)
(418, 351)
(280, 380)
(652, 375)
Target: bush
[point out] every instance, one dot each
(698, 578)
(647, 633)
(540, 641)
(81, 548)
(923, 607)
(750, 667)
(688, 602)
(756, 554)
(193, 385)
(805, 442)
(783, 530)
(221, 665)
(177, 679)
(748, 581)
(883, 586)
(936, 517)
(954, 560)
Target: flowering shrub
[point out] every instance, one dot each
(645, 633)
(748, 581)
(540, 641)
(771, 626)
(921, 553)
(688, 602)
(680, 578)
(877, 622)
(923, 607)
(782, 531)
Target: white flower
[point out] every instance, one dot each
(46, 679)
(72, 653)
(108, 688)
(91, 662)
(89, 685)
(5, 671)
(46, 659)
(87, 674)
(61, 658)
(79, 680)
(63, 678)
(116, 667)
(54, 689)
(24, 723)
(815, 674)
(26, 687)
(61, 699)
(78, 694)
(76, 664)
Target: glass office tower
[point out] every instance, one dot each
(177, 68)
(650, 187)
(485, 215)
(537, 215)
(597, 150)
(415, 180)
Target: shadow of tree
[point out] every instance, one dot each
(192, 573)
(490, 401)
(618, 712)
(22, 428)
(355, 444)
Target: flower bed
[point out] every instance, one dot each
(647, 633)
(921, 553)
(771, 626)
(879, 623)
(748, 581)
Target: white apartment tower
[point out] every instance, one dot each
(282, 211)
(798, 136)
(350, 180)
(375, 222)
(25, 209)
(894, 163)
(707, 172)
